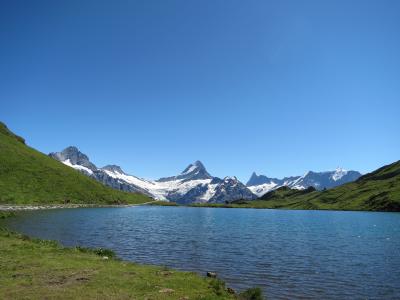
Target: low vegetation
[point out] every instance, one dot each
(6, 214)
(30, 177)
(38, 269)
(252, 294)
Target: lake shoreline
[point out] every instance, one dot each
(22, 207)
(89, 273)
(160, 282)
(246, 206)
(269, 246)
(30, 207)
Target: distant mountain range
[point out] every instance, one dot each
(260, 184)
(195, 185)
(378, 190)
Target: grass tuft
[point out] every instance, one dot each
(6, 214)
(252, 294)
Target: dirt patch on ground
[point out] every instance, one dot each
(165, 273)
(166, 291)
(69, 279)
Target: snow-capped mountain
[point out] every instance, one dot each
(260, 184)
(194, 184)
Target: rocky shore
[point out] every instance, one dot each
(14, 207)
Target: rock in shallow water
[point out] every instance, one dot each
(212, 274)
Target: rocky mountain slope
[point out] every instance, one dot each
(194, 184)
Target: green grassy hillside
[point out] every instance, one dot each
(30, 177)
(379, 190)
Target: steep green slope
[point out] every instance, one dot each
(30, 177)
(379, 190)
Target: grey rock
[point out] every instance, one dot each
(113, 168)
(231, 189)
(259, 179)
(75, 156)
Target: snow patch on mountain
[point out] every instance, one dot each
(78, 167)
(339, 173)
(210, 192)
(191, 168)
(262, 189)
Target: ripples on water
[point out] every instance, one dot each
(289, 254)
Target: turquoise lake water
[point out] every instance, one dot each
(289, 254)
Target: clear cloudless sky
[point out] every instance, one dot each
(276, 87)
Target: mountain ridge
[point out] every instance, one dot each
(261, 184)
(193, 184)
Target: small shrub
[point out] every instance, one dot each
(251, 294)
(6, 214)
(98, 251)
(105, 252)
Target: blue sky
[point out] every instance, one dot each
(277, 87)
